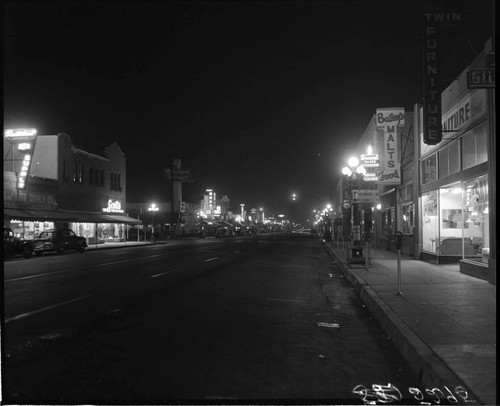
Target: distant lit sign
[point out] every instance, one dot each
(113, 207)
(24, 146)
(22, 132)
(370, 177)
(480, 78)
(368, 196)
(370, 160)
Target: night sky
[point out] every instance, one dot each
(259, 99)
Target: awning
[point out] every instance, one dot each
(16, 214)
(68, 216)
(38, 215)
(117, 218)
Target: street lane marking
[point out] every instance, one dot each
(286, 300)
(126, 260)
(94, 266)
(211, 259)
(235, 252)
(35, 276)
(164, 273)
(330, 325)
(22, 316)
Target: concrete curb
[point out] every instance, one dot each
(432, 371)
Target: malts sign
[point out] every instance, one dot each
(387, 121)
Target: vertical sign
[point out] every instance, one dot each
(431, 80)
(387, 121)
(436, 23)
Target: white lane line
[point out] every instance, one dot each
(211, 259)
(95, 266)
(164, 273)
(35, 276)
(286, 300)
(22, 316)
(126, 260)
(235, 252)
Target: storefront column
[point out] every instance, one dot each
(492, 180)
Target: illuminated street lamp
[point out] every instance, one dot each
(153, 209)
(353, 173)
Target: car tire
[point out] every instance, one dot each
(82, 249)
(38, 253)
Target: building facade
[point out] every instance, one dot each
(66, 187)
(444, 204)
(456, 223)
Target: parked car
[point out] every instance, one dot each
(223, 232)
(58, 241)
(13, 246)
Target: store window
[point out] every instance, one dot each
(430, 225)
(449, 159)
(456, 220)
(91, 176)
(408, 218)
(429, 169)
(474, 147)
(451, 220)
(476, 218)
(29, 230)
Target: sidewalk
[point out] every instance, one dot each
(444, 323)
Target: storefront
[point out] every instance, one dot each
(97, 228)
(455, 222)
(454, 194)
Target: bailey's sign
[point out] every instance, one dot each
(388, 120)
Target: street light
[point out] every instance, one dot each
(353, 173)
(153, 209)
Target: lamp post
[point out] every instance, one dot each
(353, 173)
(153, 209)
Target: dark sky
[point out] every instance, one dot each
(259, 99)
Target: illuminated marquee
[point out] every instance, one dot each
(20, 133)
(25, 139)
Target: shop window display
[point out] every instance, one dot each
(451, 221)
(86, 230)
(29, 230)
(430, 224)
(476, 217)
(456, 220)
(408, 219)
(111, 232)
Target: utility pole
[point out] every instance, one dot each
(177, 196)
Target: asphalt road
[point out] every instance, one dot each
(212, 320)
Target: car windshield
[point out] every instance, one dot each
(46, 234)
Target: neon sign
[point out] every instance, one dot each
(21, 132)
(113, 207)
